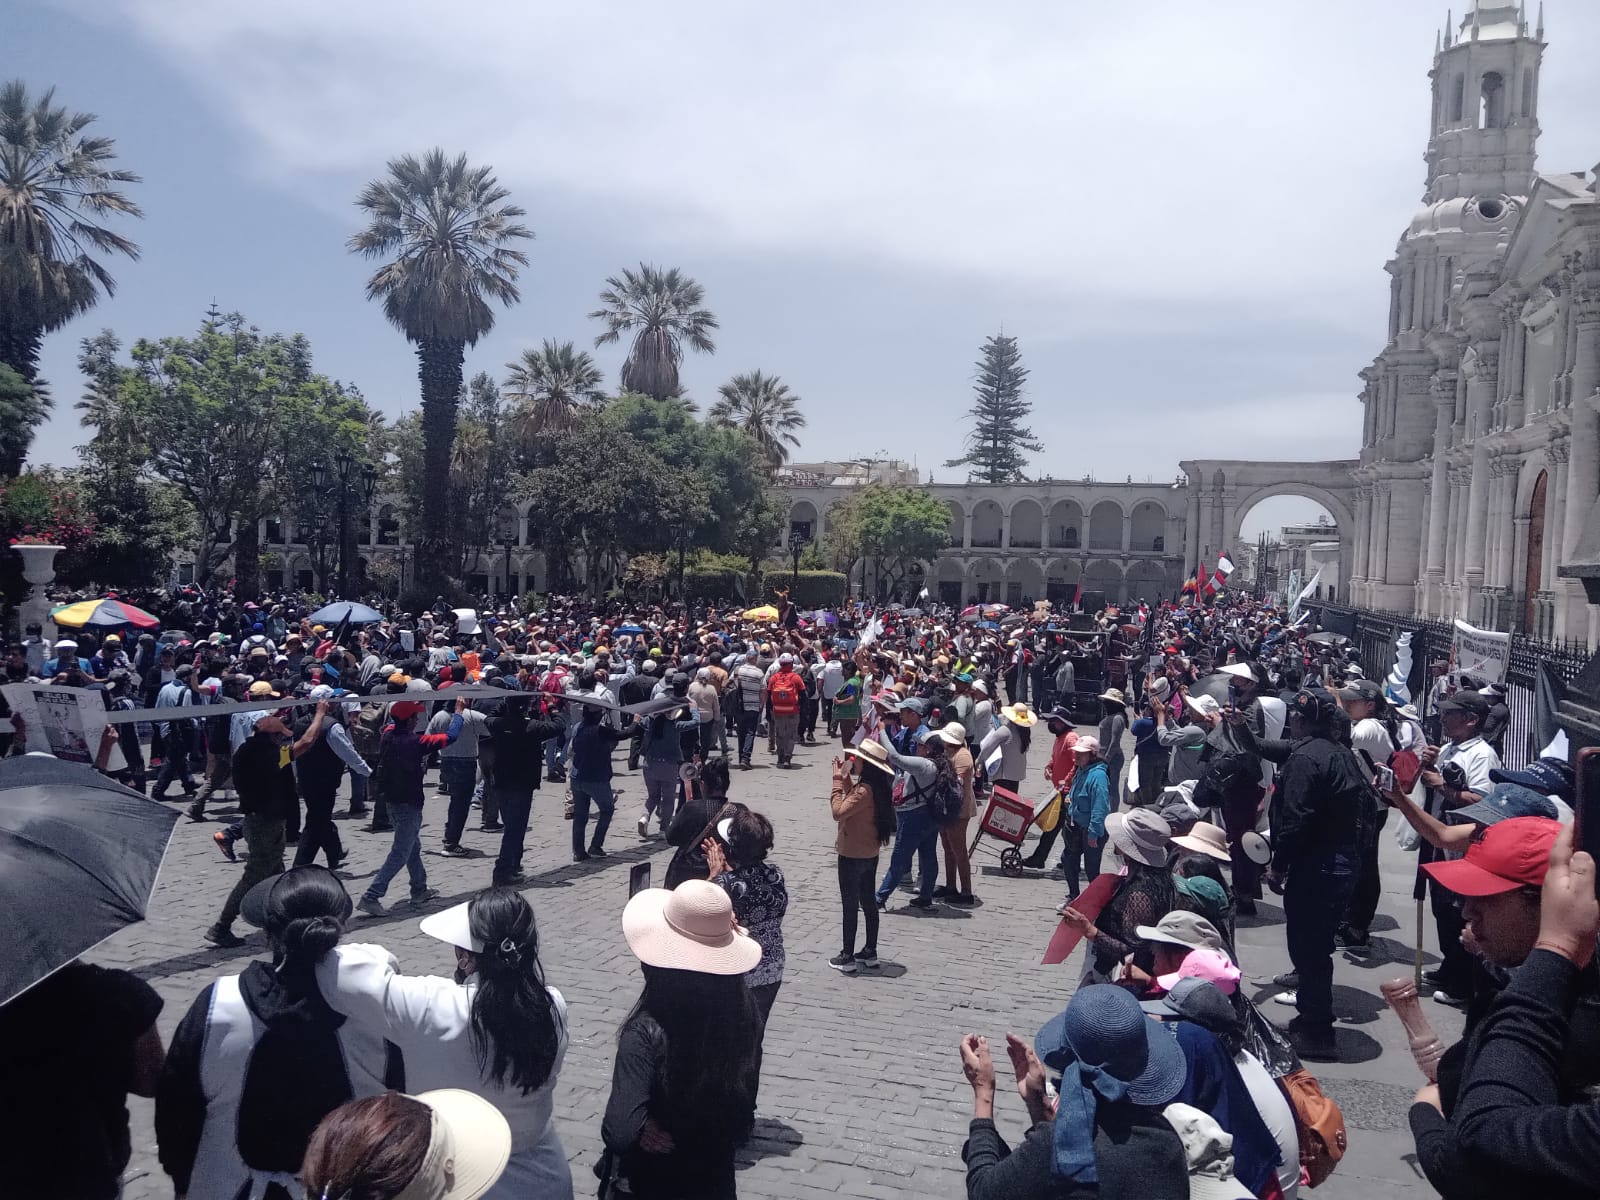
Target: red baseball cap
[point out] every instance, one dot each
(1511, 854)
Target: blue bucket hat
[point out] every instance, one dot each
(1504, 801)
(1105, 1048)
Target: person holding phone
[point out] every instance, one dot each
(1456, 774)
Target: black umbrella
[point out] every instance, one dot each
(79, 855)
(1328, 639)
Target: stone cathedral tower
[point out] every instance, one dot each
(1429, 390)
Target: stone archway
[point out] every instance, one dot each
(1222, 491)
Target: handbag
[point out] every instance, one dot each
(1050, 815)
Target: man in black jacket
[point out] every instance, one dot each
(1322, 797)
(518, 752)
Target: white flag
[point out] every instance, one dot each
(1306, 593)
(1225, 565)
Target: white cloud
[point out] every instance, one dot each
(1178, 151)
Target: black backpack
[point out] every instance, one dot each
(1227, 777)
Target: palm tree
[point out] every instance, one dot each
(549, 385)
(55, 190)
(449, 241)
(765, 408)
(662, 311)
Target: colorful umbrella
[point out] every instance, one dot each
(767, 612)
(346, 610)
(104, 613)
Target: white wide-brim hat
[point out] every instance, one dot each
(453, 926)
(468, 1148)
(690, 928)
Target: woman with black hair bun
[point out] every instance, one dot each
(495, 1029)
(260, 1058)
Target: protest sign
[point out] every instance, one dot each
(68, 722)
(1481, 653)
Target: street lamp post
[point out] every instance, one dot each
(510, 543)
(342, 463)
(797, 543)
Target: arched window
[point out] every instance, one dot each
(1527, 95)
(1492, 101)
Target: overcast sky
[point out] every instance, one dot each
(1181, 209)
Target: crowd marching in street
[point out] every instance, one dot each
(1196, 756)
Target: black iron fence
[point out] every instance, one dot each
(1375, 635)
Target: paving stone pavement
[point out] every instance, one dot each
(862, 1092)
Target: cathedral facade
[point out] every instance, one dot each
(1480, 456)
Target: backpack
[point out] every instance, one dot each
(1319, 1123)
(1228, 777)
(785, 693)
(944, 798)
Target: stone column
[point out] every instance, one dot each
(1127, 532)
(1005, 529)
(1191, 531)
(1406, 533)
(966, 530)
(1444, 399)
(38, 568)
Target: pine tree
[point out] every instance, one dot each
(998, 446)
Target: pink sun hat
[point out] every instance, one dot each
(1210, 965)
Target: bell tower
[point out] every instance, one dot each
(1485, 104)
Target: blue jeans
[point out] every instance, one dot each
(583, 791)
(1314, 901)
(405, 852)
(459, 776)
(555, 753)
(913, 831)
(515, 806)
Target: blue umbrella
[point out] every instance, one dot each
(635, 630)
(346, 610)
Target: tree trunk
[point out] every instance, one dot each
(247, 559)
(439, 370)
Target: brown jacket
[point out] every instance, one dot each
(852, 808)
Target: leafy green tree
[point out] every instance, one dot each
(548, 387)
(57, 190)
(231, 419)
(763, 407)
(998, 445)
(663, 311)
(450, 241)
(897, 526)
(22, 407)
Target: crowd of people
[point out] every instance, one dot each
(1232, 750)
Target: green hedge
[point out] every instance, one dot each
(812, 589)
(711, 583)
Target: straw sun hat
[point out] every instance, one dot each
(873, 754)
(1020, 714)
(690, 928)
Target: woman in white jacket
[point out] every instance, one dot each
(495, 1030)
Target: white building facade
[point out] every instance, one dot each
(1015, 543)
(1480, 453)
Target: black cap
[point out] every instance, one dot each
(1362, 689)
(1314, 705)
(1466, 701)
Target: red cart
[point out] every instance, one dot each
(1006, 820)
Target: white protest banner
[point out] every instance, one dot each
(1481, 653)
(68, 722)
(1292, 587)
(1306, 593)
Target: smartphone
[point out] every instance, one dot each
(638, 879)
(1384, 780)
(1586, 823)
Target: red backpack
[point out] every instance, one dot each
(785, 693)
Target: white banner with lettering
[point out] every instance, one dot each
(1481, 653)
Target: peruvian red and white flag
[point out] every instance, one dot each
(1220, 576)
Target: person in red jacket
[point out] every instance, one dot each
(1059, 772)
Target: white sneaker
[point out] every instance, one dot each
(1288, 999)
(644, 826)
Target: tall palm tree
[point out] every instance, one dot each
(548, 386)
(765, 408)
(450, 241)
(662, 309)
(56, 190)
